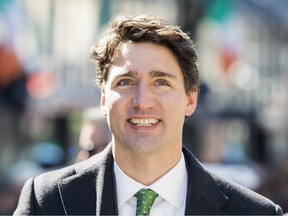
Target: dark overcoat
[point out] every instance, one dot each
(88, 188)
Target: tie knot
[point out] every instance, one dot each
(145, 199)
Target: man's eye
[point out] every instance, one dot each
(161, 82)
(125, 82)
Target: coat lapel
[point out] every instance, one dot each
(203, 195)
(106, 190)
(79, 193)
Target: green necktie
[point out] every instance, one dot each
(145, 199)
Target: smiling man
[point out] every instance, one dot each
(148, 75)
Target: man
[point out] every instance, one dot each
(148, 75)
(94, 135)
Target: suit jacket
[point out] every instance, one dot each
(88, 188)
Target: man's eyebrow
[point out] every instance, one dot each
(130, 73)
(126, 74)
(162, 74)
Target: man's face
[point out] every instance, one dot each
(145, 100)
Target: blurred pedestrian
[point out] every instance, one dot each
(94, 134)
(148, 74)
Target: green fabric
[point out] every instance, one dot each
(145, 199)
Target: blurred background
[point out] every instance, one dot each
(239, 129)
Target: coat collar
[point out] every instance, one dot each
(79, 196)
(203, 195)
(78, 192)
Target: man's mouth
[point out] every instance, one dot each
(146, 122)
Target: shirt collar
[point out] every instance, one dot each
(175, 180)
(126, 187)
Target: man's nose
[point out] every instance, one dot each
(143, 98)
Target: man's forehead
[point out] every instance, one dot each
(124, 48)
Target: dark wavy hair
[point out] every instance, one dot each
(146, 29)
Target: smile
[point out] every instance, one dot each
(144, 122)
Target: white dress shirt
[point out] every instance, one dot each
(172, 189)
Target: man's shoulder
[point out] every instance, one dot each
(235, 190)
(222, 195)
(51, 179)
(243, 199)
(44, 194)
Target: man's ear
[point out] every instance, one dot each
(191, 103)
(103, 104)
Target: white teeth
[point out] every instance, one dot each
(144, 122)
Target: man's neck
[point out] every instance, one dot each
(146, 168)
